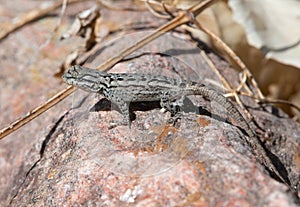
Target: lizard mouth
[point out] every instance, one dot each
(67, 78)
(70, 75)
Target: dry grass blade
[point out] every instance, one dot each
(272, 101)
(182, 18)
(232, 55)
(239, 62)
(150, 6)
(246, 76)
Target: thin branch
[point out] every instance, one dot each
(154, 11)
(226, 84)
(272, 101)
(182, 18)
(232, 55)
(36, 112)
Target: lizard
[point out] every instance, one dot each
(123, 88)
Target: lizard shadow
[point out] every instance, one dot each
(274, 159)
(279, 165)
(106, 105)
(187, 107)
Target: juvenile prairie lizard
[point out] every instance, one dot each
(124, 88)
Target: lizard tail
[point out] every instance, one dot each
(253, 140)
(232, 111)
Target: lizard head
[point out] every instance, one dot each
(84, 78)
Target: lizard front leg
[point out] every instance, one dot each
(122, 105)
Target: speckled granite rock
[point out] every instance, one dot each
(81, 159)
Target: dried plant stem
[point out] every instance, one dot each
(182, 18)
(272, 101)
(226, 84)
(36, 112)
(232, 55)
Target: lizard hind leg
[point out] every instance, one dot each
(173, 106)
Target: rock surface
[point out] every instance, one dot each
(74, 156)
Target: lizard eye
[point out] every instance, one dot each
(73, 72)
